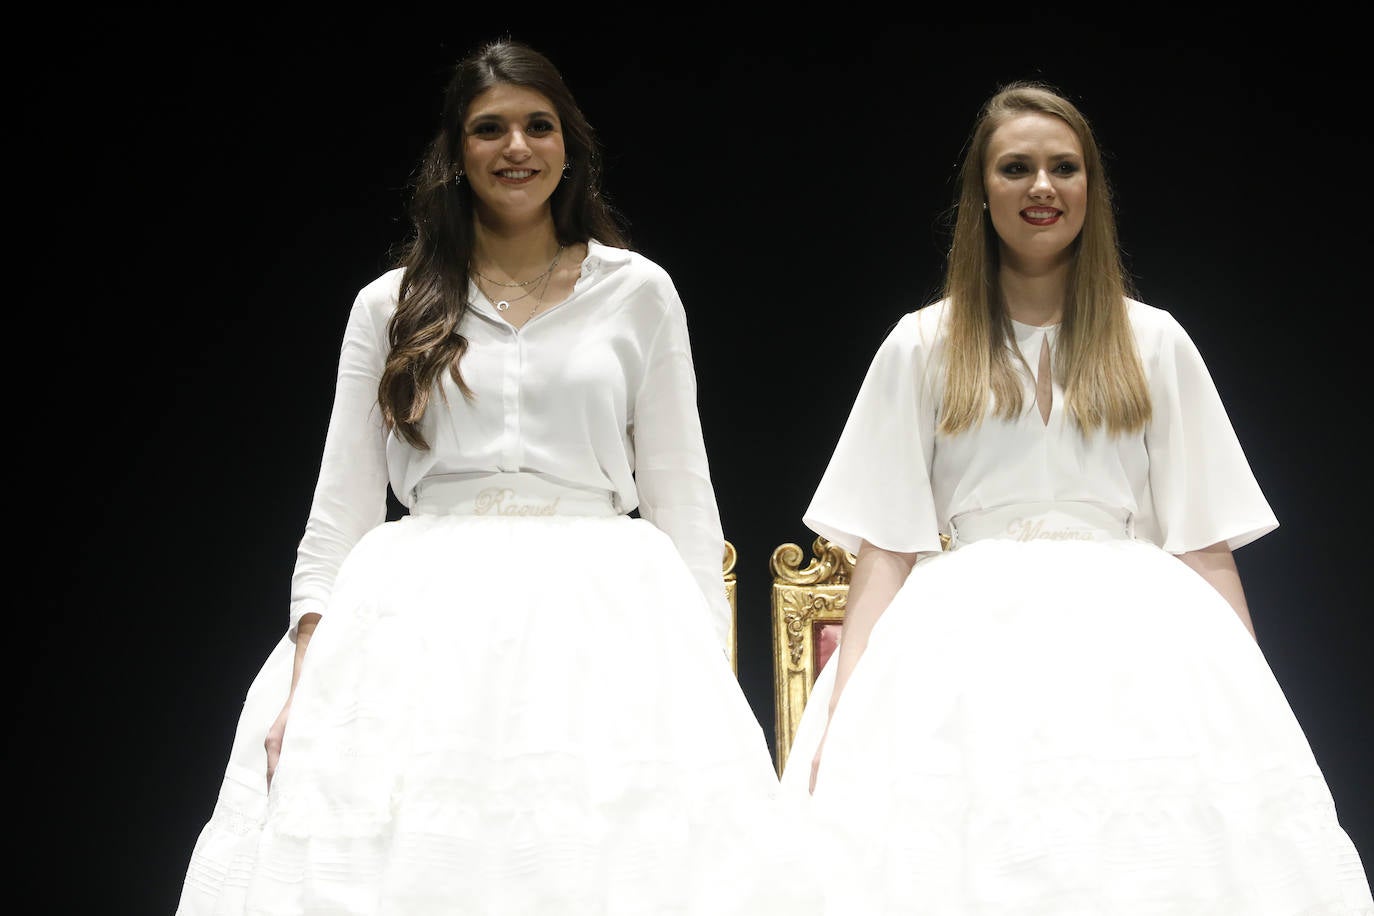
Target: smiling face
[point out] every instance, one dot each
(1037, 189)
(513, 153)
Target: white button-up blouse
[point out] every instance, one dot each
(598, 391)
(896, 482)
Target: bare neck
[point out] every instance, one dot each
(1034, 296)
(517, 251)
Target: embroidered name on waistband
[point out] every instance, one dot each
(1034, 529)
(501, 501)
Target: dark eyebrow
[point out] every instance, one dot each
(492, 116)
(1057, 157)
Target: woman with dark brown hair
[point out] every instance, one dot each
(517, 698)
(1048, 697)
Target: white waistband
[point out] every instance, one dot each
(510, 495)
(1042, 521)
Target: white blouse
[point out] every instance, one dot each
(598, 391)
(1184, 477)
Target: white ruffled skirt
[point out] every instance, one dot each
(522, 715)
(1066, 728)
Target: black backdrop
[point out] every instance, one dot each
(201, 202)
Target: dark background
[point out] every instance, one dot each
(200, 203)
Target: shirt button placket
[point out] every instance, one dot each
(511, 455)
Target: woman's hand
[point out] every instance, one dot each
(275, 735)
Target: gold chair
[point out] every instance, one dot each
(808, 611)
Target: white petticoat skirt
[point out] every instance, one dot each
(503, 715)
(1067, 727)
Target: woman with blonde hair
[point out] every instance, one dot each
(1048, 696)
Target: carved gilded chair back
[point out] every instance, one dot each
(808, 611)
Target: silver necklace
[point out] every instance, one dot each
(504, 304)
(543, 288)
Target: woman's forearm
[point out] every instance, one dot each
(304, 632)
(878, 574)
(1217, 565)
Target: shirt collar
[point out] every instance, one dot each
(599, 254)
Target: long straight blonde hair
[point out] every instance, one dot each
(1095, 357)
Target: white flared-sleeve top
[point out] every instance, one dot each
(597, 392)
(895, 482)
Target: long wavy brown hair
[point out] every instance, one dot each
(1095, 357)
(433, 298)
